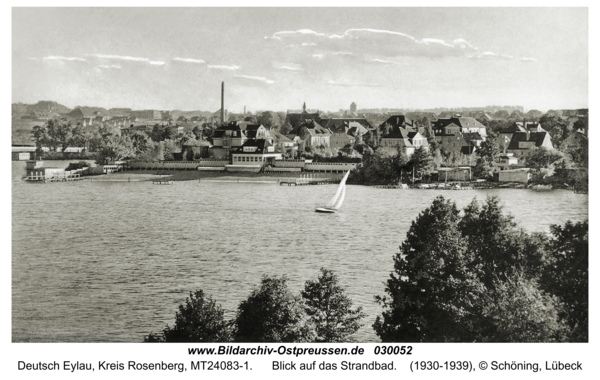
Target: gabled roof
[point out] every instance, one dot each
(532, 126)
(397, 121)
(355, 128)
(294, 119)
(279, 137)
(444, 129)
(463, 122)
(537, 137)
(342, 124)
(397, 133)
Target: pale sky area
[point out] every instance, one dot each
(278, 58)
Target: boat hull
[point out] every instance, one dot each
(325, 210)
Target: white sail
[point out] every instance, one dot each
(341, 187)
(341, 200)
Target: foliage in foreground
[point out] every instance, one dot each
(477, 277)
(271, 313)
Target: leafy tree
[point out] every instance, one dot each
(199, 320)
(517, 310)
(40, 136)
(540, 160)
(422, 161)
(489, 151)
(197, 131)
(495, 244)
(270, 119)
(330, 309)
(431, 289)
(556, 126)
(115, 148)
(480, 278)
(567, 274)
(272, 314)
(63, 133)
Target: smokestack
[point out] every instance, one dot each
(222, 102)
(244, 110)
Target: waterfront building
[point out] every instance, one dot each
(253, 155)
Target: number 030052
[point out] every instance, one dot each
(393, 350)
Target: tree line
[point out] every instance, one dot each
(107, 144)
(322, 312)
(459, 276)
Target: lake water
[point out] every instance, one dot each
(111, 261)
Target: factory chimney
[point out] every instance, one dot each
(222, 102)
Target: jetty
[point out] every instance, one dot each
(55, 178)
(307, 181)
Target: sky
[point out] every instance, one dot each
(279, 58)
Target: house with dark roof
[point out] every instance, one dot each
(465, 124)
(398, 121)
(235, 134)
(506, 135)
(523, 142)
(452, 139)
(404, 140)
(318, 135)
(343, 124)
(294, 120)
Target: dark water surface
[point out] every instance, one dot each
(111, 261)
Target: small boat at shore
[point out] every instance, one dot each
(162, 182)
(336, 202)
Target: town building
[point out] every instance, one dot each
(505, 136)
(294, 120)
(404, 140)
(465, 125)
(523, 142)
(253, 155)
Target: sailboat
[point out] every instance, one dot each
(336, 202)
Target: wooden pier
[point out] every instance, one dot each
(307, 181)
(44, 179)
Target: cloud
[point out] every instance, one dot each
(60, 58)
(384, 62)
(375, 42)
(318, 56)
(189, 60)
(259, 79)
(109, 66)
(127, 58)
(223, 67)
(528, 59)
(352, 84)
(428, 41)
(488, 55)
(288, 66)
(462, 44)
(286, 34)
